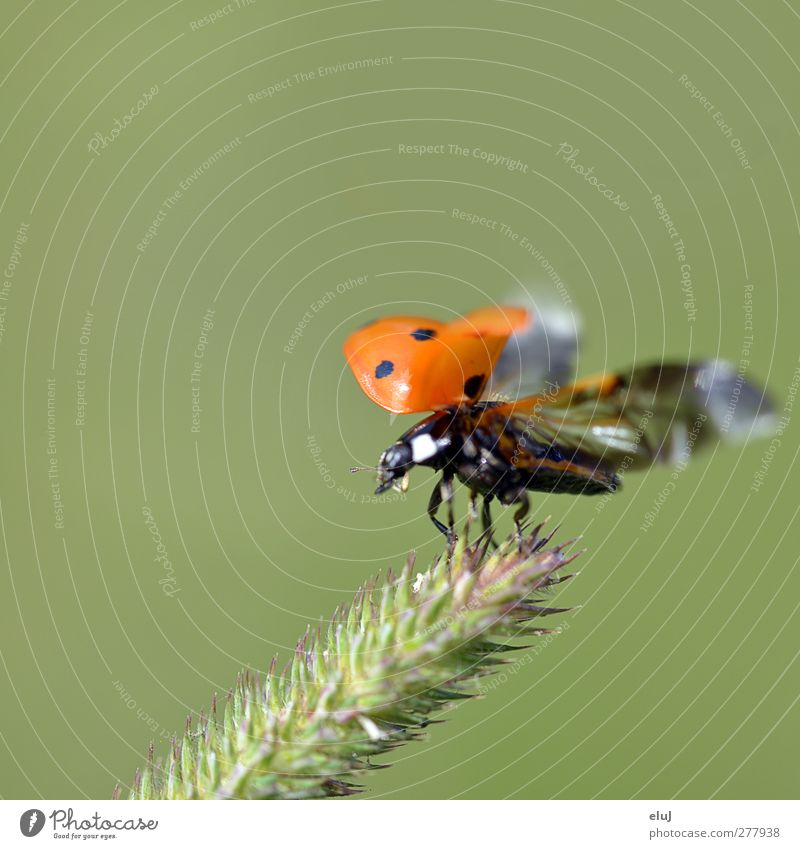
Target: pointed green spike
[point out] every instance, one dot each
(371, 681)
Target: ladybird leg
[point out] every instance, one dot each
(486, 518)
(433, 505)
(473, 505)
(448, 496)
(522, 512)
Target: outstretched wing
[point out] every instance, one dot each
(657, 413)
(538, 356)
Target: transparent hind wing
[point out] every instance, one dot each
(657, 413)
(539, 357)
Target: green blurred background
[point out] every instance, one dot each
(679, 675)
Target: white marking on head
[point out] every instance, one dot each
(423, 447)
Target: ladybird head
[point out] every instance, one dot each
(426, 444)
(423, 445)
(394, 465)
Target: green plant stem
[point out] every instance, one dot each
(404, 648)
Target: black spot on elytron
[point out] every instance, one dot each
(423, 334)
(472, 386)
(384, 369)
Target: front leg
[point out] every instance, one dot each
(433, 506)
(443, 492)
(448, 496)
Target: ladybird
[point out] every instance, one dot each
(571, 437)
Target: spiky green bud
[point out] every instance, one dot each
(405, 648)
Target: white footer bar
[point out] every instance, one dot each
(412, 824)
